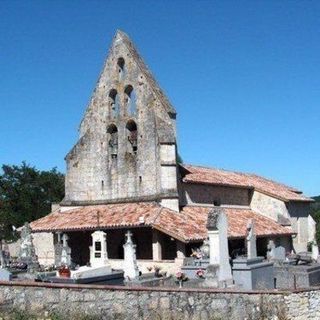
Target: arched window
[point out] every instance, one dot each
(113, 140)
(130, 100)
(114, 103)
(132, 135)
(121, 68)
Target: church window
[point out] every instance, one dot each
(121, 68)
(113, 140)
(130, 100)
(132, 135)
(114, 103)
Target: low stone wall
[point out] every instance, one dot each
(106, 302)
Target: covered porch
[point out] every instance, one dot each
(162, 236)
(152, 248)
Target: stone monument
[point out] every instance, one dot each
(252, 272)
(58, 250)
(277, 254)
(27, 252)
(99, 263)
(219, 264)
(315, 251)
(251, 240)
(131, 270)
(65, 251)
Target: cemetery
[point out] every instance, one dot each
(208, 281)
(210, 265)
(140, 234)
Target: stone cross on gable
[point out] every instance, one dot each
(251, 240)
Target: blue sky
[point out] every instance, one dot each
(244, 77)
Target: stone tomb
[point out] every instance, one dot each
(191, 264)
(99, 263)
(290, 276)
(252, 272)
(99, 271)
(5, 275)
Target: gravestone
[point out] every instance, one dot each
(5, 275)
(205, 249)
(251, 240)
(315, 251)
(99, 263)
(130, 268)
(252, 272)
(27, 252)
(65, 251)
(2, 261)
(98, 251)
(274, 253)
(217, 226)
(58, 251)
(211, 276)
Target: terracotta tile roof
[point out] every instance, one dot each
(197, 174)
(190, 223)
(187, 225)
(86, 218)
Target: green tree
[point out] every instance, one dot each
(26, 194)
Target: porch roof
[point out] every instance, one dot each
(188, 225)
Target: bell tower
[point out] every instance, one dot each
(126, 151)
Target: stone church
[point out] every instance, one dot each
(123, 173)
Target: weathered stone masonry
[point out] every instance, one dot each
(127, 146)
(161, 303)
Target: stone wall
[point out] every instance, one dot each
(126, 106)
(145, 303)
(206, 194)
(268, 206)
(297, 212)
(111, 302)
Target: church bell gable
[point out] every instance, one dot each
(127, 145)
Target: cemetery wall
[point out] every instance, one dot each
(161, 303)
